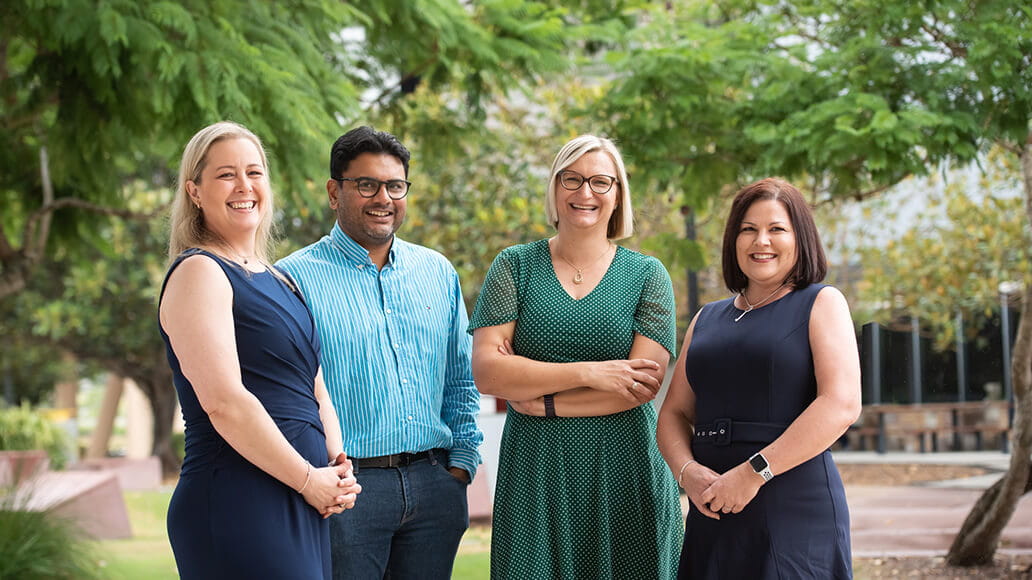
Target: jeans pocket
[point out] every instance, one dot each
(444, 467)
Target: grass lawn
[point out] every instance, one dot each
(148, 555)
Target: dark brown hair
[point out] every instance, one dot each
(811, 266)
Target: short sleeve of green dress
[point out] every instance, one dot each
(581, 497)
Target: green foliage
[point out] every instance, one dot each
(24, 429)
(138, 78)
(29, 369)
(43, 546)
(858, 95)
(953, 258)
(679, 100)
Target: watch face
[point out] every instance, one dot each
(758, 463)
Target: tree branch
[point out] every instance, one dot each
(418, 70)
(6, 251)
(11, 282)
(92, 207)
(956, 49)
(33, 243)
(861, 195)
(1008, 146)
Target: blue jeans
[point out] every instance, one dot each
(406, 524)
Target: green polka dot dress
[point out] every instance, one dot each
(584, 497)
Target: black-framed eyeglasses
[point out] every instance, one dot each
(599, 184)
(369, 187)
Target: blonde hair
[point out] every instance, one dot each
(186, 223)
(621, 223)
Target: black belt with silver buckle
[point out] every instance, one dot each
(398, 459)
(727, 431)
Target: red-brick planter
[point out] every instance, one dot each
(18, 466)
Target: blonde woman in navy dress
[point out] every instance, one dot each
(766, 382)
(252, 499)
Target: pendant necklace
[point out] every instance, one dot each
(238, 256)
(578, 278)
(750, 307)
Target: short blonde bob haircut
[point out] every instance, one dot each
(621, 223)
(186, 223)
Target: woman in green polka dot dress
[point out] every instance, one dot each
(576, 333)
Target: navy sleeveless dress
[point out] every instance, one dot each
(751, 379)
(228, 518)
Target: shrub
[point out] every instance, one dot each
(43, 546)
(23, 429)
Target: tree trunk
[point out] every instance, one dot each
(106, 418)
(977, 540)
(162, 398)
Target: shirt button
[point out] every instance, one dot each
(404, 381)
(388, 311)
(360, 266)
(410, 417)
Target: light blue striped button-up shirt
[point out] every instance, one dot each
(395, 352)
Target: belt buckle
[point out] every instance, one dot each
(722, 432)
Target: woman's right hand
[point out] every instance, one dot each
(628, 378)
(333, 489)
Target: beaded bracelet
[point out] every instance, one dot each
(308, 477)
(680, 474)
(549, 406)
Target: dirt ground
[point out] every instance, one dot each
(1005, 566)
(902, 474)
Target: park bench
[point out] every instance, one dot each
(931, 426)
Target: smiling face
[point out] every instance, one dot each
(371, 221)
(582, 208)
(232, 190)
(766, 244)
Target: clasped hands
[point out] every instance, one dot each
(333, 489)
(713, 494)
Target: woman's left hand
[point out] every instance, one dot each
(533, 407)
(733, 490)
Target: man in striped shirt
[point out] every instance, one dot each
(396, 360)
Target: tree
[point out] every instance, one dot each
(96, 95)
(96, 102)
(848, 99)
(930, 83)
(101, 306)
(952, 259)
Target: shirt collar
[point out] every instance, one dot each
(356, 253)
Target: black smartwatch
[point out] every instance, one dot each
(759, 464)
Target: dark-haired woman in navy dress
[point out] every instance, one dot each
(768, 380)
(254, 490)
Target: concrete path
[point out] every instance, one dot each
(923, 519)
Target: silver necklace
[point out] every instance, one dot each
(750, 307)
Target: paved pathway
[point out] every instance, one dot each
(910, 520)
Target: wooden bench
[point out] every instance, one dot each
(932, 426)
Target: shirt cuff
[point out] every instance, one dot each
(467, 459)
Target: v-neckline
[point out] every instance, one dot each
(555, 276)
